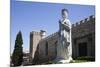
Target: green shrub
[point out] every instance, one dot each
(88, 58)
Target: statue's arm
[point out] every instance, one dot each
(66, 26)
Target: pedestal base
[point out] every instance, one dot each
(59, 60)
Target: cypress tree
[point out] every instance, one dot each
(17, 56)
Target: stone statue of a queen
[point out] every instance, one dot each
(64, 48)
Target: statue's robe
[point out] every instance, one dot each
(64, 50)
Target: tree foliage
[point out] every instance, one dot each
(17, 56)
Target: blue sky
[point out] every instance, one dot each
(34, 16)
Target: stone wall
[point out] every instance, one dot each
(84, 32)
(84, 27)
(35, 37)
(51, 47)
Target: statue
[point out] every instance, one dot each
(64, 48)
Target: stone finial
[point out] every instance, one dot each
(43, 33)
(91, 17)
(81, 21)
(86, 19)
(77, 23)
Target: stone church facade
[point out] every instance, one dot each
(83, 42)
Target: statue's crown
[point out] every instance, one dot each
(64, 10)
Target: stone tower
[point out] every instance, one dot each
(35, 38)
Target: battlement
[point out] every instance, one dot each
(90, 18)
(35, 33)
(46, 38)
(52, 35)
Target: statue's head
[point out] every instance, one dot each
(64, 13)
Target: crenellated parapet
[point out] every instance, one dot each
(90, 18)
(35, 33)
(50, 36)
(84, 27)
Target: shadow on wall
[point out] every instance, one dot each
(37, 60)
(36, 56)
